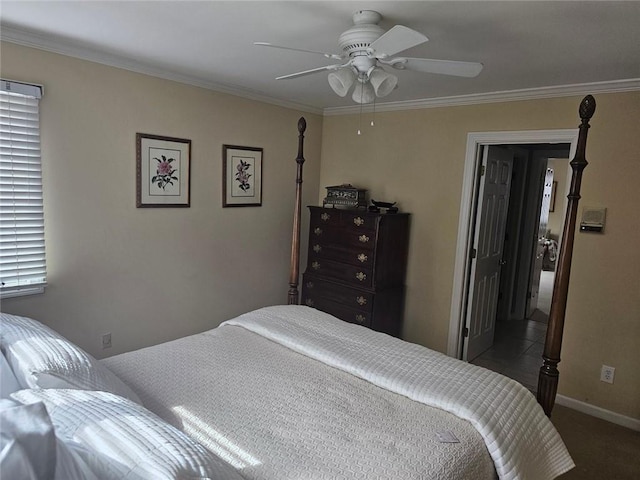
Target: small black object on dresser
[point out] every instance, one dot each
(356, 266)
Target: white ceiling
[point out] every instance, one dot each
(533, 47)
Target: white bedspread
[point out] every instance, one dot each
(275, 414)
(521, 440)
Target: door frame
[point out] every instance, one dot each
(468, 213)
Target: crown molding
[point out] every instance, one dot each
(55, 45)
(615, 86)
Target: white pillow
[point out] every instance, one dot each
(42, 358)
(29, 449)
(27, 442)
(139, 444)
(8, 381)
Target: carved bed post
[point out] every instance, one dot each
(548, 377)
(295, 239)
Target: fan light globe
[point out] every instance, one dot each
(363, 93)
(383, 83)
(340, 81)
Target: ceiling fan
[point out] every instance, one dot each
(366, 49)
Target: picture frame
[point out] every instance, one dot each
(552, 200)
(241, 176)
(163, 171)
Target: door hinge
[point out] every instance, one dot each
(465, 332)
(482, 169)
(473, 253)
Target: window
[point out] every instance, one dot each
(22, 256)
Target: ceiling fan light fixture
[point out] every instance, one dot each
(383, 83)
(341, 80)
(365, 49)
(363, 93)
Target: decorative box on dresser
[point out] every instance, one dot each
(356, 266)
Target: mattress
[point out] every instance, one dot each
(289, 392)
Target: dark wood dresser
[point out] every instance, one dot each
(356, 266)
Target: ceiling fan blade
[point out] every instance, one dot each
(328, 55)
(395, 40)
(308, 72)
(443, 67)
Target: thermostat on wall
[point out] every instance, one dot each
(593, 219)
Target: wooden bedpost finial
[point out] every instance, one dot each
(302, 125)
(587, 108)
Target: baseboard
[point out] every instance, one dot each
(608, 415)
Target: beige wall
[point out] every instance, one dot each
(150, 275)
(153, 274)
(416, 158)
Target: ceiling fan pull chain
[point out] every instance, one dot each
(373, 123)
(360, 116)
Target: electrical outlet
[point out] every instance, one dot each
(106, 340)
(607, 373)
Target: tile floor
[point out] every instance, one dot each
(517, 351)
(518, 344)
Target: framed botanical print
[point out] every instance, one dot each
(163, 170)
(241, 176)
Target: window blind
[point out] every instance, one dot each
(22, 250)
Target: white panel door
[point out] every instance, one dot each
(491, 220)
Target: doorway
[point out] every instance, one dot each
(527, 270)
(522, 144)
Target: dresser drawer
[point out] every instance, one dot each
(344, 218)
(316, 288)
(337, 310)
(326, 217)
(359, 221)
(328, 235)
(351, 274)
(347, 254)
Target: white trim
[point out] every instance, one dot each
(22, 292)
(598, 412)
(26, 89)
(474, 140)
(615, 86)
(56, 45)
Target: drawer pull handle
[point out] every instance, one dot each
(325, 216)
(358, 221)
(360, 318)
(361, 276)
(309, 302)
(362, 257)
(318, 231)
(315, 265)
(317, 248)
(361, 300)
(363, 238)
(309, 284)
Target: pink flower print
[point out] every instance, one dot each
(164, 172)
(164, 168)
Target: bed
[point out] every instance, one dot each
(283, 392)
